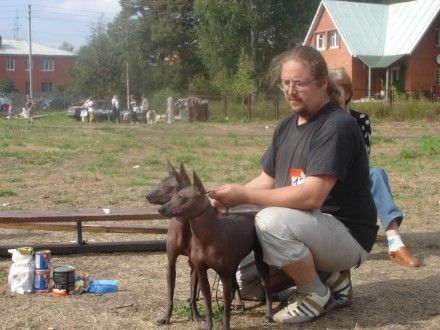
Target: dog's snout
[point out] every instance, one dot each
(162, 210)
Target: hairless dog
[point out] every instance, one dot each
(178, 237)
(217, 243)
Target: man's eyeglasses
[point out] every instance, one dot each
(297, 85)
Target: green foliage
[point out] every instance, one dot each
(429, 145)
(7, 86)
(183, 310)
(7, 193)
(243, 84)
(159, 99)
(3, 277)
(400, 110)
(99, 67)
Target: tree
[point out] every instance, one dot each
(66, 46)
(98, 70)
(165, 42)
(7, 86)
(261, 28)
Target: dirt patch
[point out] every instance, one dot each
(385, 295)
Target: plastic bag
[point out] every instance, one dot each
(21, 274)
(102, 286)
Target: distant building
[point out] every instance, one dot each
(50, 66)
(381, 45)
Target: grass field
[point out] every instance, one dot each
(58, 163)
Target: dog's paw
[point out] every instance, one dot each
(163, 321)
(268, 319)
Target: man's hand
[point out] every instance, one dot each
(230, 195)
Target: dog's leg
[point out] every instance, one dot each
(195, 316)
(227, 297)
(171, 283)
(204, 284)
(263, 270)
(236, 292)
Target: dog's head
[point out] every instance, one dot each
(189, 202)
(169, 185)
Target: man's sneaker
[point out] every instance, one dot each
(307, 308)
(341, 288)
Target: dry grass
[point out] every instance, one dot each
(62, 164)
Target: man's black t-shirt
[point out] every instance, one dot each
(328, 144)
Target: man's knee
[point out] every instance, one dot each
(266, 220)
(279, 221)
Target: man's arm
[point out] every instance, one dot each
(307, 196)
(263, 181)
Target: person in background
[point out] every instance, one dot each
(29, 107)
(115, 109)
(133, 108)
(389, 214)
(319, 218)
(89, 104)
(10, 110)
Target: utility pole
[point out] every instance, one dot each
(16, 27)
(127, 66)
(30, 54)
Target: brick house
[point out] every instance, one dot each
(50, 66)
(381, 46)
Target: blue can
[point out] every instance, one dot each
(42, 259)
(41, 280)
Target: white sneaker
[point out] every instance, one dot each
(307, 308)
(341, 288)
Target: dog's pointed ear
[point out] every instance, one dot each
(170, 168)
(198, 183)
(184, 175)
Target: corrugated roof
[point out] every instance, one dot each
(379, 61)
(21, 47)
(379, 30)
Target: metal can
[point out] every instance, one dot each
(42, 259)
(64, 280)
(41, 280)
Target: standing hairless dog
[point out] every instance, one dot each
(217, 243)
(178, 236)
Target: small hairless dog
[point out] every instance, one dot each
(217, 243)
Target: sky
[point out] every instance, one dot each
(54, 21)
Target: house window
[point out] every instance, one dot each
(333, 39)
(437, 38)
(438, 77)
(320, 41)
(47, 65)
(10, 65)
(46, 87)
(26, 65)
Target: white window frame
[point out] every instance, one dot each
(437, 38)
(320, 41)
(333, 39)
(47, 65)
(10, 64)
(26, 65)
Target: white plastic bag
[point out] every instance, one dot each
(21, 274)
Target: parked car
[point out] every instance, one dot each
(103, 110)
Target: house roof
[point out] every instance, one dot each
(21, 47)
(372, 30)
